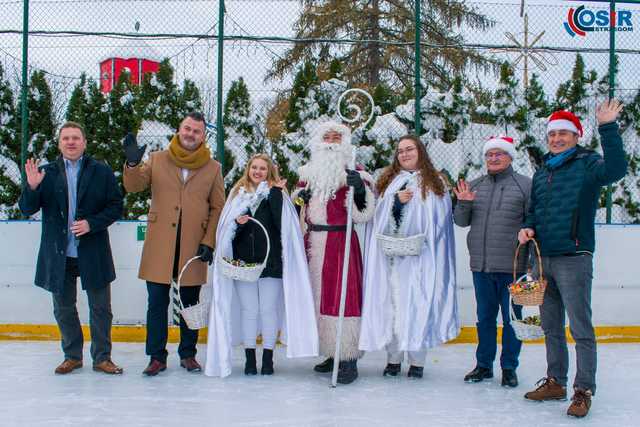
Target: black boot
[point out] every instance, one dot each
(324, 367)
(250, 365)
(347, 371)
(415, 371)
(509, 378)
(478, 374)
(267, 362)
(392, 370)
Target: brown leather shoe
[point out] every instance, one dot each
(68, 365)
(108, 367)
(548, 389)
(154, 368)
(580, 403)
(191, 364)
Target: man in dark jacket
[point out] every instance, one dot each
(494, 205)
(79, 198)
(564, 198)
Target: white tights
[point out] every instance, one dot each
(259, 299)
(416, 358)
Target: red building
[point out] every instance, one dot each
(135, 57)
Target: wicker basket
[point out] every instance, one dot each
(523, 331)
(245, 274)
(195, 316)
(531, 297)
(401, 246)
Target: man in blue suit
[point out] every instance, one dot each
(79, 198)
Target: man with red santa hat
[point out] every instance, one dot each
(564, 197)
(324, 183)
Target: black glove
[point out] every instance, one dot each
(132, 151)
(205, 253)
(354, 180)
(305, 195)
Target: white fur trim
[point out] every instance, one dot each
(325, 127)
(562, 124)
(316, 213)
(327, 330)
(370, 201)
(509, 148)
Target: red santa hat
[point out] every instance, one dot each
(504, 143)
(564, 120)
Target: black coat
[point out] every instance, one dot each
(250, 244)
(99, 201)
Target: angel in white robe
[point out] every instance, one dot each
(281, 299)
(410, 300)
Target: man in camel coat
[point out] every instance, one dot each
(187, 197)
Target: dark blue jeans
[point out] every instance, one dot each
(158, 322)
(492, 293)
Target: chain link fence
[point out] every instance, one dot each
(487, 68)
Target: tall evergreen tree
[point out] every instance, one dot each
(507, 99)
(239, 129)
(42, 123)
(304, 79)
(575, 93)
(9, 151)
(531, 118)
(378, 24)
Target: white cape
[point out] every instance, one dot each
(423, 310)
(297, 318)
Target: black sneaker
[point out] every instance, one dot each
(415, 371)
(324, 367)
(347, 371)
(392, 370)
(509, 378)
(478, 374)
(250, 364)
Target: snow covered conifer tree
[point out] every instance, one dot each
(575, 94)
(9, 152)
(507, 99)
(239, 131)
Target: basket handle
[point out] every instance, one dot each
(515, 259)
(264, 230)
(266, 257)
(184, 268)
(512, 313)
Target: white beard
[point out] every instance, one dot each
(325, 172)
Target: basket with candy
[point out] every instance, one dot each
(244, 271)
(527, 290)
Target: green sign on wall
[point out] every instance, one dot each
(142, 231)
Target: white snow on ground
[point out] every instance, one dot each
(32, 395)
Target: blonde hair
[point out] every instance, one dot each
(272, 174)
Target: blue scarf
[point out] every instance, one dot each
(557, 160)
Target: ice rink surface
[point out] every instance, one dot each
(32, 395)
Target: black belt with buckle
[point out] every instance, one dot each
(320, 227)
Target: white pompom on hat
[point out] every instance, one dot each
(504, 143)
(564, 120)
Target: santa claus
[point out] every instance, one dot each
(323, 188)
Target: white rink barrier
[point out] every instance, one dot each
(615, 297)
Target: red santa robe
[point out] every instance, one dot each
(325, 252)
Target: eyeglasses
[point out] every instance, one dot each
(408, 150)
(498, 155)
